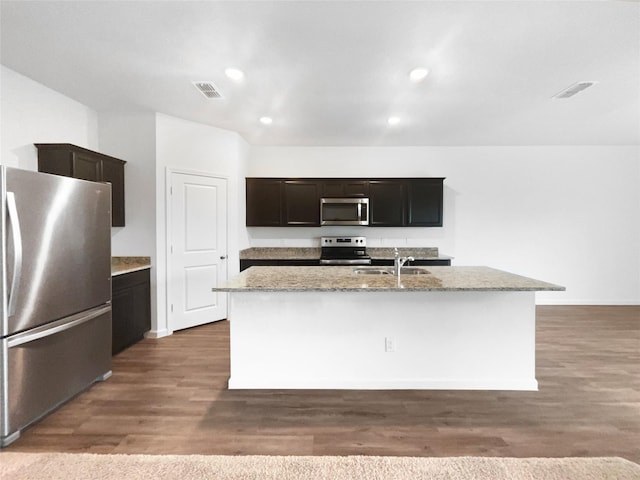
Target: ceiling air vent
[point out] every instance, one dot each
(574, 89)
(207, 89)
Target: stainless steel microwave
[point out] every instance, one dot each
(344, 211)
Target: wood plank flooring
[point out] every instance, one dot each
(169, 396)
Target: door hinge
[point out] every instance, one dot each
(172, 308)
(171, 248)
(170, 190)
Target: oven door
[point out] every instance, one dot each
(344, 211)
(352, 255)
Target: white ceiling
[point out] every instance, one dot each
(332, 72)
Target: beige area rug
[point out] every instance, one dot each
(80, 466)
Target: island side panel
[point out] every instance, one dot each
(337, 340)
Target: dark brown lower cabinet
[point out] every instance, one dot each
(131, 308)
(379, 262)
(421, 262)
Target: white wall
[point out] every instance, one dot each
(194, 147)
(244, 151)
(132, 137)
(32, 113)
(568, 215)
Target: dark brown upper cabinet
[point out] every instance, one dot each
(424, 202)
(387, 203)
(344, 187)
(393, 202)
(264, 202)
(301, 203)
(113, 172)
(86, 167)
(72, 161)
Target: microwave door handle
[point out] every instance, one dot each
(359, 212)
(17, 252)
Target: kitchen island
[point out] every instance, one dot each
(333, 328)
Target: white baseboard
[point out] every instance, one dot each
(546, 301)
(523, 384)
(158, 333)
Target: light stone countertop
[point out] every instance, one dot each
(280, 253)
(313, 253)
(122, 265)
(343, 279)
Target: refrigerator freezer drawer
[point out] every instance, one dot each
(49, 367)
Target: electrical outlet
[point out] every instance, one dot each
(389, 344)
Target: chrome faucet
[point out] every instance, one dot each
(399, 261)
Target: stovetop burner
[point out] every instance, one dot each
(344, 251)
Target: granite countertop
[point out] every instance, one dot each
(343, 279)
(121, 265)
(313, 253)
(280, 253)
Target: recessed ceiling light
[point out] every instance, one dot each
(393, 120)
(234, 74)
(418, 74)
(266, 120)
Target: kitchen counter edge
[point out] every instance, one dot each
(123, 265)
(343, 279)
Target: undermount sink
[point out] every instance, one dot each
(373, 271)
(414, 271)
(389, 271)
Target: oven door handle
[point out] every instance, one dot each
(358, 261)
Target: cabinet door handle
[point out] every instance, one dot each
(222, 257)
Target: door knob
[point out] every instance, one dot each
(222, 257)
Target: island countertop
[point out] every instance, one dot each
(343, 279)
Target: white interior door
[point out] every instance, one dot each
(197, 249)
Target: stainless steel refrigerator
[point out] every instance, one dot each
(56, 293)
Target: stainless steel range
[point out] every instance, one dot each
(344, 251)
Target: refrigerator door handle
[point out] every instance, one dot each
(17, 252)
(49, 330)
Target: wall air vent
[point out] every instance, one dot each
(207, 89)
(574, 89)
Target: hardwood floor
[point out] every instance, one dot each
(169, 396)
